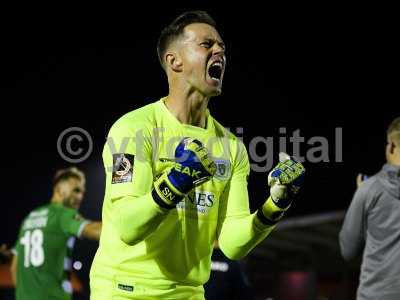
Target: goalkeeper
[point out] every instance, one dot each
(176, 180)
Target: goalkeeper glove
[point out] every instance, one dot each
(192, 167)
(285, 181)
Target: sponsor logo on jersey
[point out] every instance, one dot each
(122, 167)
(204, 199)
(201, 201)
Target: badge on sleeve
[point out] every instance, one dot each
(122, 167)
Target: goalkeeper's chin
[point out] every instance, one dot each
(214, 91)
(213, 88)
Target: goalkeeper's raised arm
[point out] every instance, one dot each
(239, 231)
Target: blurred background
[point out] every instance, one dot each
(325, 71)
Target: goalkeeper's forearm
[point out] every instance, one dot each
(249, 230)
(136, 217)
(240, 234)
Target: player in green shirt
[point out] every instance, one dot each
(42, 257)
(176, 180)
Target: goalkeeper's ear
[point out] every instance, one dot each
(173, 62)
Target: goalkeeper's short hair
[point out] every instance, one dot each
(176, 28)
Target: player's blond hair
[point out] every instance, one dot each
(394, 131)
(65, 174)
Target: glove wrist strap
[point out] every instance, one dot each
(270, 213)
(165, 194)
(281, 203)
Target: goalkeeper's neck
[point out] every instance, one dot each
(189, 107)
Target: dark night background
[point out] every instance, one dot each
(308, 68)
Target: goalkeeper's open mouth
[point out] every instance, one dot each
(215, 71)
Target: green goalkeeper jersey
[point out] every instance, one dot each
(44, 249)
(147, 251)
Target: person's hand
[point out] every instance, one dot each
(285, 181)
(360, 179)
(192, 167)
(5, 253)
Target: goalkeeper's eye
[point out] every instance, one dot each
(206, 44)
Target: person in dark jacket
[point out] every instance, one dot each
(372, 226)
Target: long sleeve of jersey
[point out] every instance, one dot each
(129, 180)
(238, 230)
